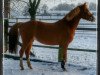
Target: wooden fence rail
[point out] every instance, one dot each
(52, 47)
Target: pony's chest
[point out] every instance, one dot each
(70, 35)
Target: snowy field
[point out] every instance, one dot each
(11, 67)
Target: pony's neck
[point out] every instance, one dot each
(75, 21)
(72, 23)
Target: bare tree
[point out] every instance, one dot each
(6, 15)
(30, 8)
(33, 8)
(45, 8)
(92, 6)
(6, 8)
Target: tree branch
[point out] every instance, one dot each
(30, 3)
(34, 3)
(25, 2)
(37, 4)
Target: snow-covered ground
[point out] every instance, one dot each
(11, 67)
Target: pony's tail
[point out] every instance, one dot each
(13, 38)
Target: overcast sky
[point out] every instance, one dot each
(78, 1)
(52, 3)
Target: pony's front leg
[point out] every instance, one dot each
(62, 56)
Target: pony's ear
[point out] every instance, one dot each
(73, 13)
(85, 4)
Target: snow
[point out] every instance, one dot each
(11, 67)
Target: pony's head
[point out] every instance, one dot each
(82, 11)
(85, 13)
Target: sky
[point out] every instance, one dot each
(52, 3)
(77, 1)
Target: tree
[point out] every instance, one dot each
(25, 11)
(92, 6)
(64, 6)
(44, 8)
(6, 15)
(6, 8)
(33, 8)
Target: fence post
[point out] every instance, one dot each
(18, 39)
(6, 34)
(16, 20)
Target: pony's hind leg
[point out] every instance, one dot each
(27, 52)
(27, 39)
(21, 52)
(25, 48)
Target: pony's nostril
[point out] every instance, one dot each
(92, 18)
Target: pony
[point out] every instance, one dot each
(58, 33)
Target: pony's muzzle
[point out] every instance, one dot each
(92, 19)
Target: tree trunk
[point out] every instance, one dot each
(6, 8)
(6, 23)
(6, 15)
(1, 38)
(33, 8)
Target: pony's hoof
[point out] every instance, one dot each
(22, 68)
(30, 67)
(64, 69)
(63, 66)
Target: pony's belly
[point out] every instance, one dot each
(48, 38)
(47, 42)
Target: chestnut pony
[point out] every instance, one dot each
(59, 33)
